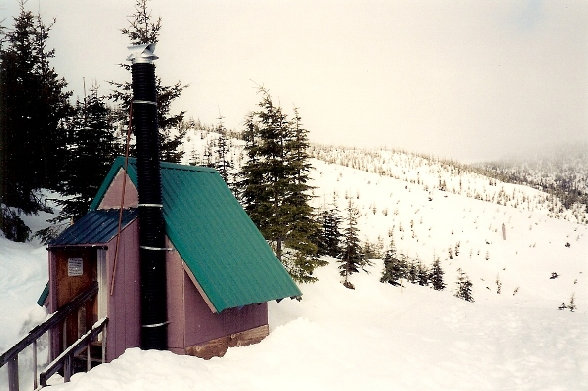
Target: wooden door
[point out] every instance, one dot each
(76, 270)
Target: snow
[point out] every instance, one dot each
(381, 337)
(376, 337)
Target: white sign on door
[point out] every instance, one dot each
(75, 267)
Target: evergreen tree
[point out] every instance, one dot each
(92, 147)
(395, 269)
(412, 273)
(143, 29)
(274, 189)
(304, 227)
(436, 275)
(329, 241)
(422, 274)
(223, 163)
(352, 257)
(464, 287)
(34, 106)
(572, 305)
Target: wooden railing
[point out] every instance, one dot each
(65, 359)
(10, 357)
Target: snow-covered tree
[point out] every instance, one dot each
(395, 268)
(436, 275)
(422, 274)
(329, 240)
(464, 287)
(352, 256)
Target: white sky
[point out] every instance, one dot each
(469, 79)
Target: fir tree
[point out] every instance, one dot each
(274, 188)
(436, 275)
(412, 272)
(34, 105)
(394, 267)
(223, 163)
(464, 287)
(92, 147)
(572, 305)
(422, 274)
(143, 29)
(329, 241)
(352, 257)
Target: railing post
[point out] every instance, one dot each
(64, 334)
(104, 343)
(35, 381)
(13, 373)
(67, 369)
(89, 359)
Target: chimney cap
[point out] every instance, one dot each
(142, 53)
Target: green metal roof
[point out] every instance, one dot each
(217, 240)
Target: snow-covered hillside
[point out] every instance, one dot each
(464, 233)
(432, 174)
(379, 336)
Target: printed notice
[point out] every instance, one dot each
(75, 267)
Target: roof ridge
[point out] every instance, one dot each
(175, 166)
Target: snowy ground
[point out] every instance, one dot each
(378, 338)
(382, 337)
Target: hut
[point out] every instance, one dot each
(220, 271)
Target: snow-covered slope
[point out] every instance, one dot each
(384, 337)
(429, 224)
(376, 338)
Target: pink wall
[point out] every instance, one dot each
(191, 320)
(124, 303)
(111, 199)
(202, 325)
(175, 294)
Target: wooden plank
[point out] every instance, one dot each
(67, 369)
(215, 348)
(249, 337)
(218, 347)
(35, 377)
(13, 373)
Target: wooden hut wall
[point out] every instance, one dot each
(123, 305)
(175, 299)
(52, 305)
(112, 196)
(202, 325)
(192, 322)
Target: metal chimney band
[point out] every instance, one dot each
(156, 248)
(145, 102)
(156, 324)
(150, 205)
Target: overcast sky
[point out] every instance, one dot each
(469, 80)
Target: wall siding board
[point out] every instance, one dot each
(175, 300)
